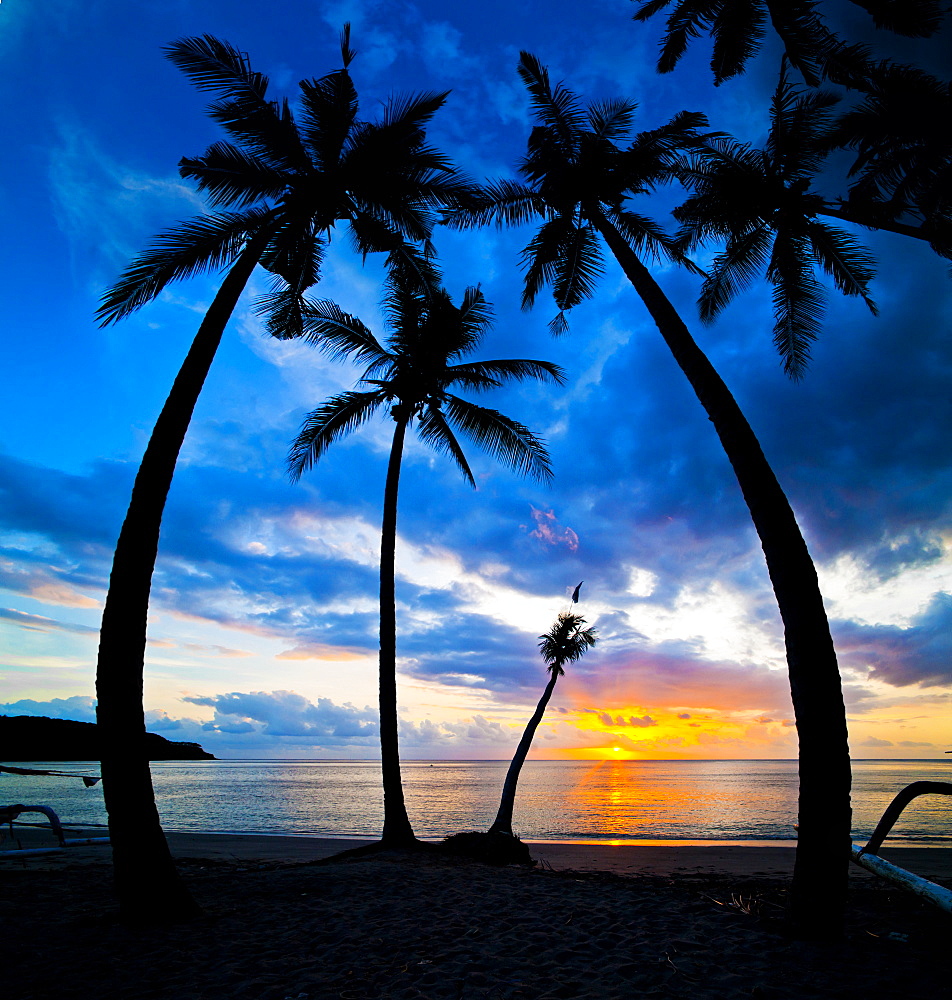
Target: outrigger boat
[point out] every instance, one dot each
(868, 856)
(8, 814)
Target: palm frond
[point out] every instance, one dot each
(214, 65)
(474, 317)
(559, 324)
(612, 119)
(798, 301)
(479, 375)
(262, 127)
(331, 421)
(647, 237)
(656, 156)
(687, 21)
(266, 129)
(800, 123)
(339, 335)
(504, 202)
(437, 433)
(328, 111)
(296, 251)
(193, 247)
(346, 52)
(738, 30)
(282, 310)
(559, 109)
(501, 437)
(541, 257)
(913, 18)
(232, 176)
(578, 267)
(849, 264)
(746, 257)
(408, 113)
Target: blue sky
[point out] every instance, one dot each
(263, 618)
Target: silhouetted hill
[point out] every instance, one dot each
(35, 737)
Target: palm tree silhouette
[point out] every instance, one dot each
(413, 374)
(760, 202)
(737, 28)
(288, 182)
(903, 167)
(565, 642)
(577, 181)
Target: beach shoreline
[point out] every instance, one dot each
(657, 859)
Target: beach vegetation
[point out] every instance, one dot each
(411, 377)
(280, 184)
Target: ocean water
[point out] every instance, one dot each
(595, 801)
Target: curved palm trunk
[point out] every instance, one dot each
(146, 881)
(396, 824)
(818, 895)
(503, 821)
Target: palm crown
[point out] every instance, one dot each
(578, 177)
(759, 201)
(566, 641)
(414, 373)
(293, 176)
(737, 28)
(903, 167)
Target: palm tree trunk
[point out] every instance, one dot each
(503, 821)
(147, 884)
(818, 896)
(397, 831)
(855, 214)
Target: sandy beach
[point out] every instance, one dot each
(286, 920)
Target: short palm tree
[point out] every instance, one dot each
(413, 375)
(565, 642)
(737, 28)
(287, 182)
(577, 182)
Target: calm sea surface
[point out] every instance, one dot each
(557, 800)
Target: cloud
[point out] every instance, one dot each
(78, 708)
(39, 623)
(323, 651)
(918, 654)
(873, 741)
(285, 713)
(214, 650)
(549, 531)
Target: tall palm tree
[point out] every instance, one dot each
(413, 374)
(565, 642)
(287, 183)
(577, 180)
(737, 28)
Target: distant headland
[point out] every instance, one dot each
(33, 737)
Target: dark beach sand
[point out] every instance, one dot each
(285, 921)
